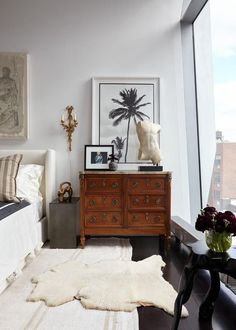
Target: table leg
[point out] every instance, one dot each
(185, 289)
(207, 307)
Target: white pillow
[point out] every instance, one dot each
(28, 182)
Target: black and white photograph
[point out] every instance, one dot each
(118, 105)
(13, 96)
(96, 156)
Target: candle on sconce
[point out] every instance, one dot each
(62, 117)
(75, 116)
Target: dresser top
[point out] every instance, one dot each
(126, 172)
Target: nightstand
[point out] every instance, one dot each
(63, 223)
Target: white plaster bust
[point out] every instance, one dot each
(147, 135)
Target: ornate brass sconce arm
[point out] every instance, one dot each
(69, 124)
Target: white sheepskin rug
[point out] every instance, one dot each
(107, 285)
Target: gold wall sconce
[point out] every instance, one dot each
(69, 124)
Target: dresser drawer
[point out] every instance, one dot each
(95, 202)
(137, 219)
(103, 219)
(146, 201)
(146, 184)
(103, 184)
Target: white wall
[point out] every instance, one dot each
(70, 41)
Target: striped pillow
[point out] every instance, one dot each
(8, 171)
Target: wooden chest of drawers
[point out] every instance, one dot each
(124, 203)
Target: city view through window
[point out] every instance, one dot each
(222, 192)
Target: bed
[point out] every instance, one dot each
(23, 233)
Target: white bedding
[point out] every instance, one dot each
(22, 234)
(19, 236)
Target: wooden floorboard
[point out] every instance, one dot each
(175, 257)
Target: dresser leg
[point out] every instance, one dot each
(82, 241)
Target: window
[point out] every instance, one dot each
(215, 58)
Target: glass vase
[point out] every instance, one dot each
(218, 242)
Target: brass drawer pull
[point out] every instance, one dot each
(92, 202)
(158, 201)
(135, 184)
(92, 219)
(115, 185)
(158, 185)
(114, 202)
(92, 185)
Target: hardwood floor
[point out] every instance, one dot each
(175, 257)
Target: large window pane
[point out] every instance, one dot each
(205, 99)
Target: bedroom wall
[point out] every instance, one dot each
(71, 41)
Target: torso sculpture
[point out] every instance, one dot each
(147, 135)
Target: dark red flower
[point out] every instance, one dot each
(204, 222)
(209, 209)
(220, 223)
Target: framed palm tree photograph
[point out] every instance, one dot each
(118, 105)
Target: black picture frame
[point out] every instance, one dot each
(95, 157)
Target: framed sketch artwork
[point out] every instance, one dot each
(13, 96)
(118, 105)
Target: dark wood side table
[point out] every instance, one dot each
(63, 223)
(203, 258)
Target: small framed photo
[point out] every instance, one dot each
(96, 156)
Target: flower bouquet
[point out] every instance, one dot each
(219, 227)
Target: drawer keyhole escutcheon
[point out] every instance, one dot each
(135, 201)
(115, 185)
(146, 182)
(114, 202)
(114, 219)
(157, 219)
(147, 200)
